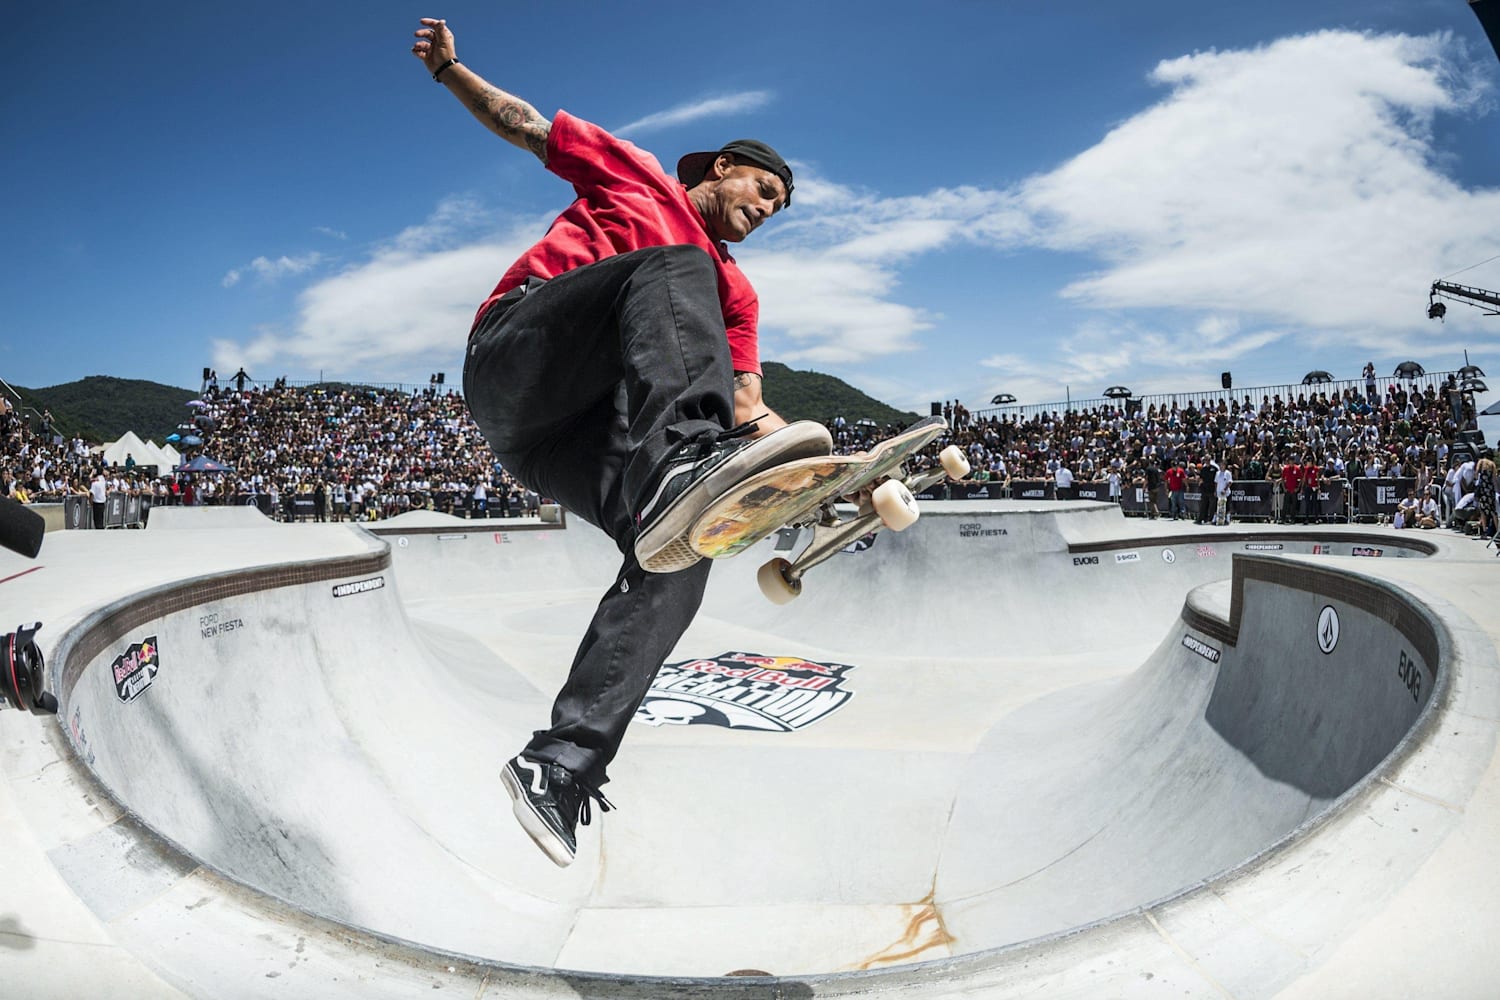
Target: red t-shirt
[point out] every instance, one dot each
(627, 202)
(1291, 477)
(1176, 477)
(1310, 476)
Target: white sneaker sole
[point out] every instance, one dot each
(536, 828)
(664, 548)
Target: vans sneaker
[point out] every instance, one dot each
(550, 803)
(700, 471)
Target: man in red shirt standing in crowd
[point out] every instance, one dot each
(1309, 505)
(1176, 489)
(1291, 482)
(615, 369)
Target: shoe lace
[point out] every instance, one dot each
(587, 792)
(706, 442)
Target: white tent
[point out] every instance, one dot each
(143, 452)
(169, 456)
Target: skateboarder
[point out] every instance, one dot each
(615, 369)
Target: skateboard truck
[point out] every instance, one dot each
(892, 505)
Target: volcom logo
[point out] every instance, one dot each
(743, 691)
(1328, 629)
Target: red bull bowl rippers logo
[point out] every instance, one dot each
(745, 691)
(135, 669)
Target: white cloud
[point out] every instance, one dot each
(1293, 193)
(377, 320)
(268, 269)
(707, 107)
(1294, 181)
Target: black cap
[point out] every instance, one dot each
(692, 167)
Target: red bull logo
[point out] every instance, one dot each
(745, 691)
(135, 669)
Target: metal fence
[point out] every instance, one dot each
(406, 388)
(1213, 397)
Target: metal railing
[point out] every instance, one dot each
(405, 388)
(1166, 400)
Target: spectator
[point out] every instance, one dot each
(1176, 477)
(1484, 496)
(98, 493)
(1223, 481)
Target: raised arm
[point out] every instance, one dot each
(506, 115)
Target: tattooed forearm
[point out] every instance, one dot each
(743, 380)
(512, 119)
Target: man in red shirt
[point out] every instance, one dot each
(615, 369)
(1291, 482)
(1176, 477)
(1309, 494)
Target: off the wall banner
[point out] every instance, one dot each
(1374, 497)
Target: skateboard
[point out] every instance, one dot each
(802, 493)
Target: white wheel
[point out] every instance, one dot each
(895, 505)
(954, 462)
(775, 584)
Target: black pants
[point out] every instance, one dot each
(582, 385)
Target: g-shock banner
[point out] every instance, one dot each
(745, 691)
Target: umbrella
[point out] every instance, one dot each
(192, 441)
(1316, 378)
(1473, 385)
(174, 438)
(196, 402)
(1493, 410)
(1118, 392)
(203, 464)
(1409, 369)
(1004, 399)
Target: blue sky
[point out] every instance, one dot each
(1026, 197)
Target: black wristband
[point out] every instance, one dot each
(450, 62)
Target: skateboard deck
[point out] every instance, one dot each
(793, 493)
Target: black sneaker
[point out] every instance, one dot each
(550, 803)
(700, 471)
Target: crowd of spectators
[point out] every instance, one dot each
(362, 452)
(350, 452)
(1295, 443)
(354, 452)
(38, 466)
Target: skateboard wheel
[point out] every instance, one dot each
(778, 587)
(954, 461)
(894, 504)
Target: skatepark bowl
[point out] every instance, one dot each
(1016, 750)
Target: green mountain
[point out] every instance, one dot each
(804, 395)
(101, 408)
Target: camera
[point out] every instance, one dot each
(23, 673)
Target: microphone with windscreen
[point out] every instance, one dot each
(20, 529)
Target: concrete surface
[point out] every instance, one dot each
(1018, 750)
